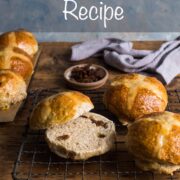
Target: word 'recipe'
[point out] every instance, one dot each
(102, 12)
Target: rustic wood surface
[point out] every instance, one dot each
(54, 59)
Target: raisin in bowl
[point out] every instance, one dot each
(86, 76)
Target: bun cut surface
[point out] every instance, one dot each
(87, 136)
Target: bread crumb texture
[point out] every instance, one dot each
(86, 138)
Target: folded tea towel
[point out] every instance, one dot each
(164, 62)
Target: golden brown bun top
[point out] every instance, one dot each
(60, 108)
(131, 96)
(156, 137)
(22, 39)
(17, 60)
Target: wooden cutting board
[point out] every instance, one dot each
(10, 114)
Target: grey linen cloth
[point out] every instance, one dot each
(164, 62)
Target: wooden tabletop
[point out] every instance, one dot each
(54, 59)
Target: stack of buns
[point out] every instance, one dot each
(71, 130)
(153, 133)
(137, 100)
(17, 50)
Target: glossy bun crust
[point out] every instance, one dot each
(12, 89)
(155, 142)
(17, 60)
(22, 39)
(131, 96)
(59, 108)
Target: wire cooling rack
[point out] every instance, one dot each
(35, 161)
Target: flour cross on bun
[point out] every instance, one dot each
(22, 39)
(17, 60)
(79, 139)
(154, 140)
(131, 96)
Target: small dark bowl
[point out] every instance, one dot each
(85, 86)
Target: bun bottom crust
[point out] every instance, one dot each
(158, 167)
